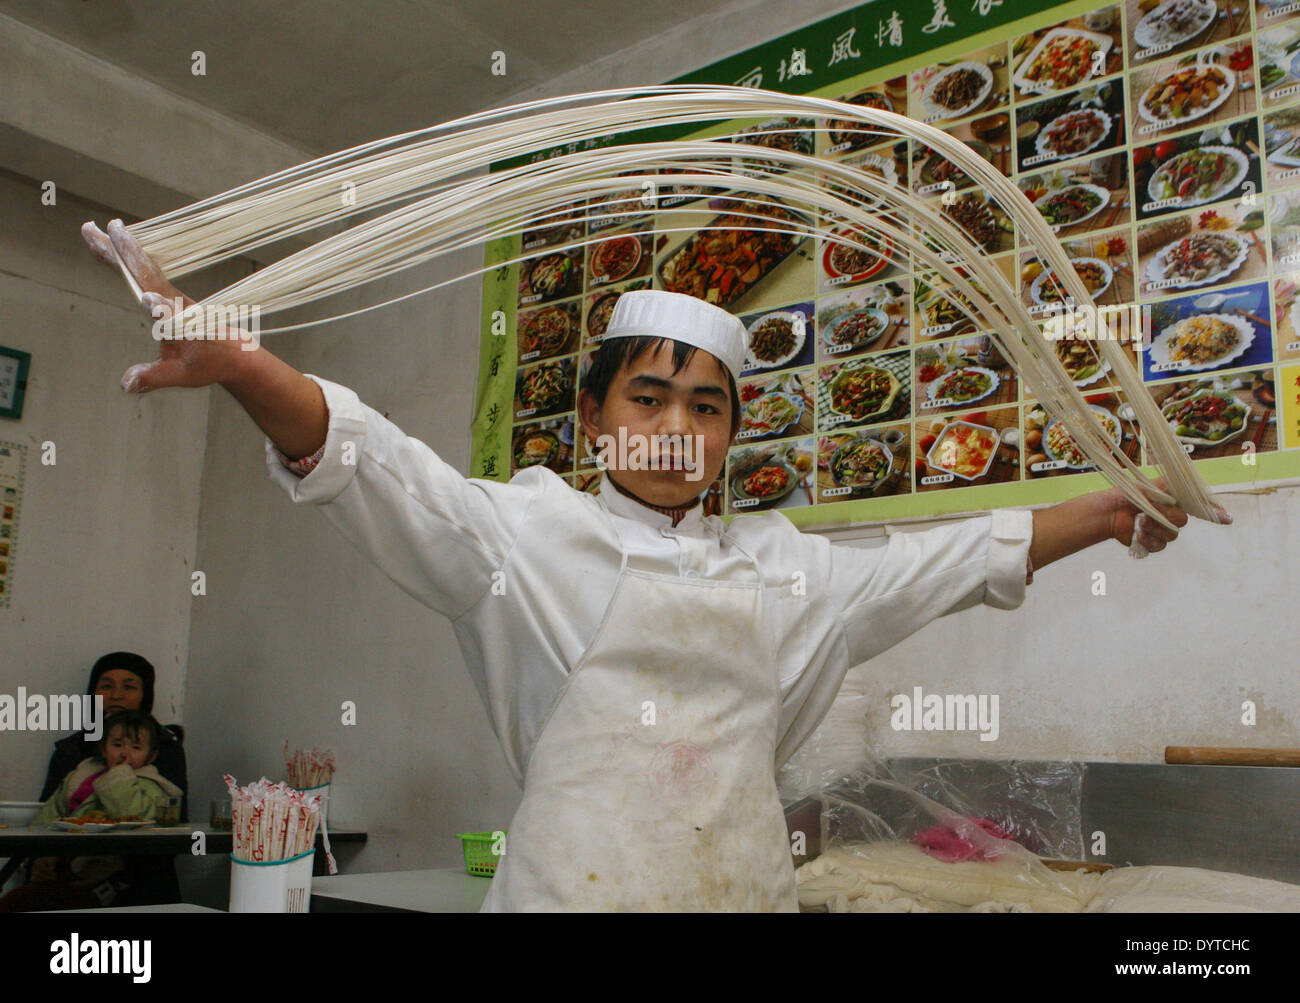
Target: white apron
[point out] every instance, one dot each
(681, 814)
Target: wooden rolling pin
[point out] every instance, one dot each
(1200, 755)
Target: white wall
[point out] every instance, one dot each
(1166, 656)
(107, 533)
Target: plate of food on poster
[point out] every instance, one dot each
(1063, 58)
(1070, 125)
(957, 90)
(1203, 417)
(1173, 23)
(856, 256)
(551, 276)
(849, 134)
(548, 331)
(1199, 259)
(776, 339)
(862, 463)
(1096, 274)
(854, 331)
(1213, 165)
(544, 389)
(722, 262)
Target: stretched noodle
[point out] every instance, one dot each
(424, 196)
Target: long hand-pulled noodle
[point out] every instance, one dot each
(424, 195)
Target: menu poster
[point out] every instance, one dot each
(13, 458)
(1160, 139)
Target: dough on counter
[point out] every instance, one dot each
(1190, 889)
(900, 877)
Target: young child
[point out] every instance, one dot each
(120, 782)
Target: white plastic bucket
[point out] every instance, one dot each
(271, 885)
(324, 791)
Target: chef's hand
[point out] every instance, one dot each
(180, 363)
(1123, 520)
(284, 403)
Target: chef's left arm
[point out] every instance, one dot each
(1093, 518)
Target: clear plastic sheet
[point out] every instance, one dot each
(923, 837)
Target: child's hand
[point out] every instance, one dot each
(180, 363)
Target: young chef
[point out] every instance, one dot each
(645, 668)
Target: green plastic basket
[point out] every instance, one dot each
(479, 858)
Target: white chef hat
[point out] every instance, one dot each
(659, 314)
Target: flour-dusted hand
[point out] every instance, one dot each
(1142, 534)
(180, 363)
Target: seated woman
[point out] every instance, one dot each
(126, 682)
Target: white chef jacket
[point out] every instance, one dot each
(526, 570)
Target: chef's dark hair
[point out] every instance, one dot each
(133, 723)
(614, 353)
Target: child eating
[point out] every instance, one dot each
(120, 780)
(118, 783)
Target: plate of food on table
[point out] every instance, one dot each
(98, 821)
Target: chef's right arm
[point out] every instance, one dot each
(436, 534)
